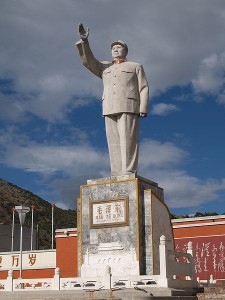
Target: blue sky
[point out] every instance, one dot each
(52, 135)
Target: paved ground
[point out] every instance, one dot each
(131, 294)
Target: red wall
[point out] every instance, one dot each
(209, 255)
(199, 231)
(30, 274)
(66, 255)
(208, 238)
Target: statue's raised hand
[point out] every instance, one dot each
(82, 32)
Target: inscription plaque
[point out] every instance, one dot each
(109, 213)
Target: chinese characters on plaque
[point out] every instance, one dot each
(31, 260)
(15, 260)
(107, 213)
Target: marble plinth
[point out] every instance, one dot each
(120, 221)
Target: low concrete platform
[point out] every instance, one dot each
(122, 294)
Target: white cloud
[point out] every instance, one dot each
(221, 97)
(38, 56)
(160, 162)
(154, 154)
(19, 151)
(50, 159)
(210, 78)
(12, 107)
(163, 109)
(62, 205)
(37, 47)
(182, 190)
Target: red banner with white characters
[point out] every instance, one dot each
(209, 255)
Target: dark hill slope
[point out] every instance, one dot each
(12, 195)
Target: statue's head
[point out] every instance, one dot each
(119, 49)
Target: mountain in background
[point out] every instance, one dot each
(12, 195)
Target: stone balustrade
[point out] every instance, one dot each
(176, 271)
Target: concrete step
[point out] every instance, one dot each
(81, 295)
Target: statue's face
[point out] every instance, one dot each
(118, 51)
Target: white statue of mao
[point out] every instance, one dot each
(125, 98)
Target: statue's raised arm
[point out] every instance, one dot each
(87, 57)
(82, 32)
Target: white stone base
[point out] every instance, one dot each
(129, 242)
(110, 255)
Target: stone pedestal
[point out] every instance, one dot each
(120, 221)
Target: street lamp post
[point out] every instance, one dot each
(22, 210)
(53, 206)
(32, 226)
(13, 225)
